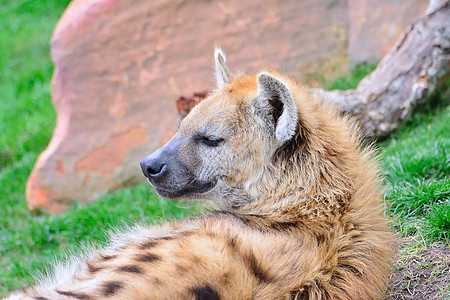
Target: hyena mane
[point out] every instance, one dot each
(299, 207)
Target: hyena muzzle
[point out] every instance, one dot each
(299, 212)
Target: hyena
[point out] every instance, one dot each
(299, 212)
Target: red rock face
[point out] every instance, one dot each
(120, 65)
(375, 25)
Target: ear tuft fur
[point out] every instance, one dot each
(222, 73)
(273, 90)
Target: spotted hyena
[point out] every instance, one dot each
(300, 213)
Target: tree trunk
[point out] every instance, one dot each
(404, 79)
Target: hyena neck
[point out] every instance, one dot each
(311, 178)
(299, 207)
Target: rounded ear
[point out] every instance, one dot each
(275, 97)
(223, 74)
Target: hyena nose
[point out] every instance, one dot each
(153, 168)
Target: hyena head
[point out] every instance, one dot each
(224, 149)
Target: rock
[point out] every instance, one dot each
(120, 65)
(376, 25)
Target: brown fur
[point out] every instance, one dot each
(304, 219)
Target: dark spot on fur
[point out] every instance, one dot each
(211, 234)
(350, 269)
(111, 288)
(186, 233)
(92, 268)
(131, 269)
(232, 243)
(154, 241)
(230, 91)
(149, 257)
(165, 238)
(181, 269)
(40, 298)
(107, 257)
(205, 293)
(283, 226)
(148, 244)
(76, 295)
(256, 270)
(194, 259)
(226, 279)
(320, 238)
(337, 279)
(157, 281)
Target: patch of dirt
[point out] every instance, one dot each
(421, 272)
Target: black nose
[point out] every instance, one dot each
(153, 168)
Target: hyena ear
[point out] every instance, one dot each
(275, 97)
(223, 74)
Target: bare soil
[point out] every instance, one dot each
(421, 272)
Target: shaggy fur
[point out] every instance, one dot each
(300, 215)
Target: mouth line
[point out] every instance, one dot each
(193, 188)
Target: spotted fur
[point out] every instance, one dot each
(299, 212)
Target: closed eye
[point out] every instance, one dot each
(208, 140)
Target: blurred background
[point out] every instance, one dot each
(114, 70)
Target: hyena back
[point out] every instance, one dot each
(300, 212)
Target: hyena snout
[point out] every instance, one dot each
(163, 163)
(171, 175)
(154, 167)
(159, 166)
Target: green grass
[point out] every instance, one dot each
(357, 72)
(416, 163)
(415, 159)
(25, 70)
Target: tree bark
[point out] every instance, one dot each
(404, 79)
